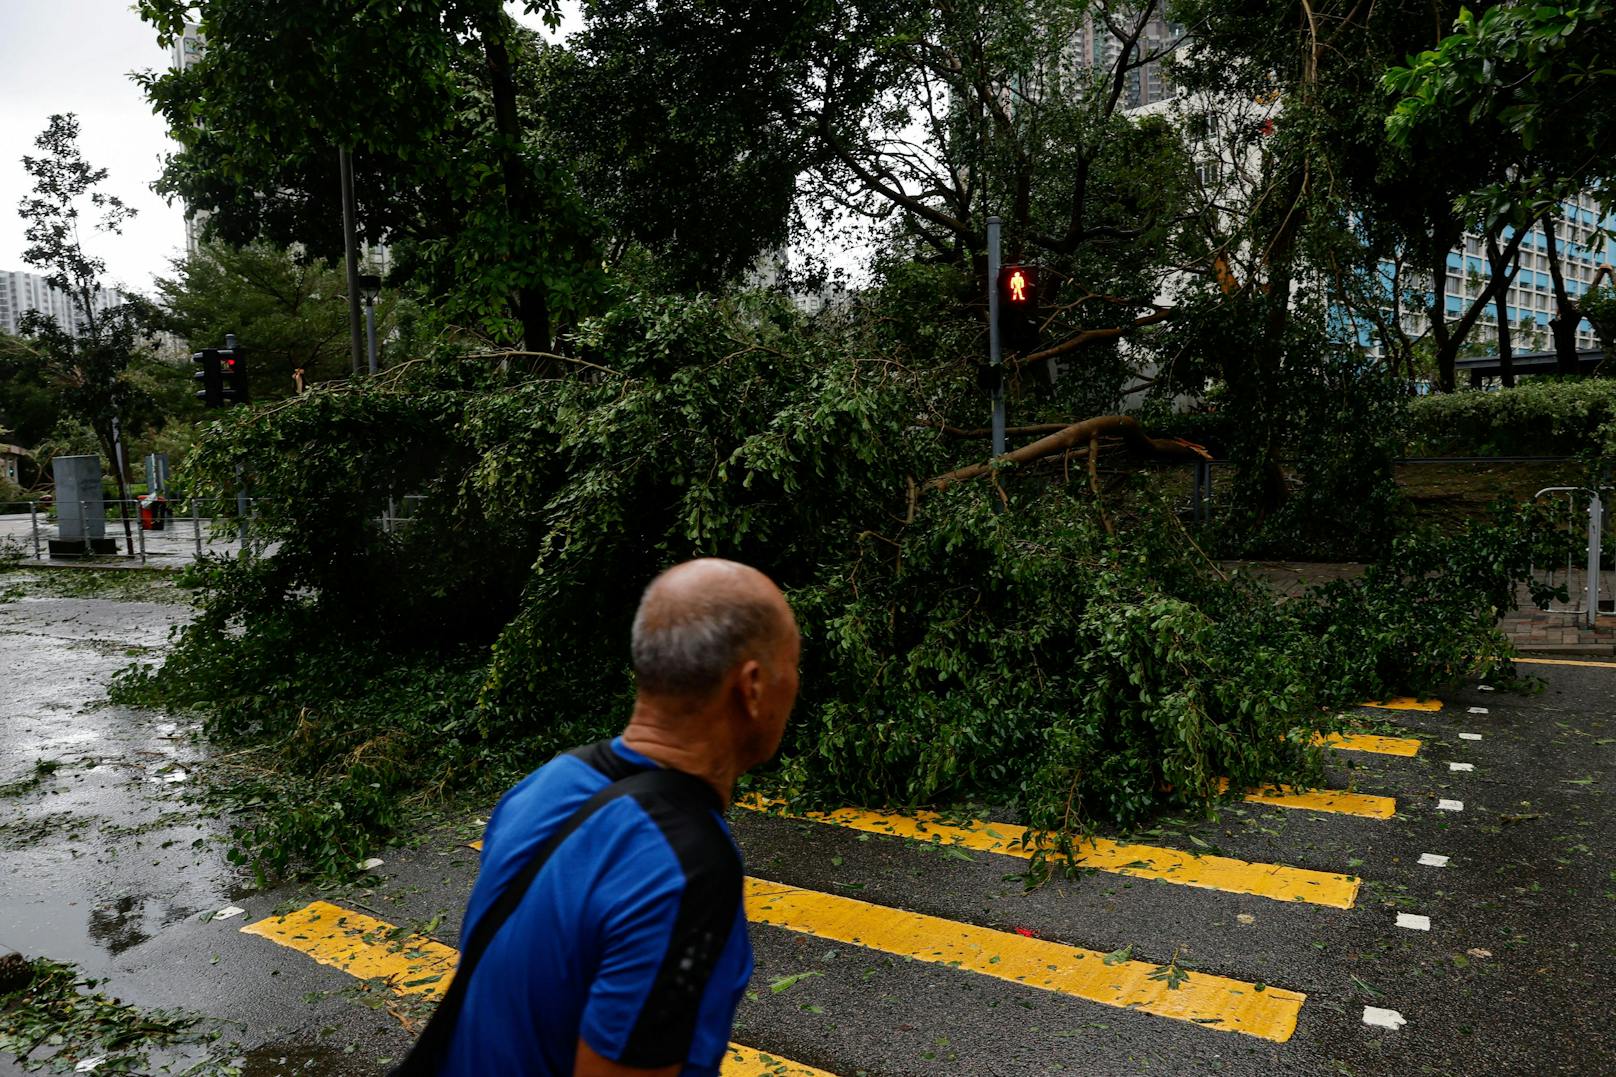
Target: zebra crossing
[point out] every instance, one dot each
(1218, 1002)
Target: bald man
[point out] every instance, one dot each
(624, 951)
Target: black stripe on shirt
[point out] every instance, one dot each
(701, 929)
(608, 760)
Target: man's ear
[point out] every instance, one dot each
(750, 682)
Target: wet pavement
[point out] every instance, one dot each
(107, 866)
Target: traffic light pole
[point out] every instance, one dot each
(995, 352)
(350, 247)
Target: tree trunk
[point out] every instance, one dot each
(112, 443)
(1506, 356)
(1443, 240)
(532, 308)
(1567, 316)
(1449, 339)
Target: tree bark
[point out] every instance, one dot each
(1443, 240)
(1567, 316)
(1506, 355)
(1450, 338)
(532, 306)
(1082, 433)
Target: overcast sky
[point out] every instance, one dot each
(76, 56)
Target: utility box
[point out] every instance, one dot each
(81, 512)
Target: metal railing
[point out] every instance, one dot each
(182, 529)
(1586, 605)
(177, 531)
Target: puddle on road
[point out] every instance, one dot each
(102, 854)
(106, 865)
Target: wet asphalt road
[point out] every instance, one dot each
(104, 865)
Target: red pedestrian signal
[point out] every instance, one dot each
(1018, 287)
(1018, 308)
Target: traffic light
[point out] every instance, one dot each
(223, 376)
(1018, 308)
(212, 392)
(233, 375)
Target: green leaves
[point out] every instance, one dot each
(785, 983)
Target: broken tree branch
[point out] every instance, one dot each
(1124, 426)
(1089, 336)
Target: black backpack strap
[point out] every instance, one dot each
(427, 1053)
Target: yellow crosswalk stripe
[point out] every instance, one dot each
(369, 948)
(1208, 872)
(1215, 1002)
(1331, 800)
(1365, 742)
(363, 946)
(411, 964)
(750, 1062)
(1564, 662)
(1404, 703)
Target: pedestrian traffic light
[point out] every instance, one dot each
(212, 392)
(1018, 308)
(223, 376)
(233, 375)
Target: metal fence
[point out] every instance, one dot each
(160, 532)
(1582, 513)
(165, 532)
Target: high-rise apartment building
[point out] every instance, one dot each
(190, 47)
(1098, 49)
(1529, 299)
(21, 292)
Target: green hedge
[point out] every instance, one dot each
(1540, 418)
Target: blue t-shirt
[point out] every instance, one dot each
(632, 936)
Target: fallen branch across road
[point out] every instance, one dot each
(1082, 434)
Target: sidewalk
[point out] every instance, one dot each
(1531, 629)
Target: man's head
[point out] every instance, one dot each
(715, 641)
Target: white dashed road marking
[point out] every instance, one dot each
(1413, 921)
(1450, 805)
(1433, 860)
(1469, 736)
(1461, 766)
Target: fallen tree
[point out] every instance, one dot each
(1082, 434)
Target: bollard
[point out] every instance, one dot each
(141, 531)
(33, 519)
(196, 527)
(88, 552)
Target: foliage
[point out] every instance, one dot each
(61, 1010)
(1542, 73)
(424, 95)
(289, 313)
(952, 651)
(1315, 410)
(88, 362)
(704, 105)
(1539, 417)
(1599, 307)
(1328, 195)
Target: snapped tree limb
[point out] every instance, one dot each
(1089, 336)
(1083, 433)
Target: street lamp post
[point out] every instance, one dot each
(370, 285)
